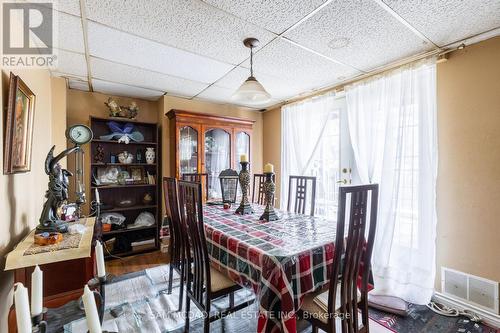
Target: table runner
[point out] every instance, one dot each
(280, 260)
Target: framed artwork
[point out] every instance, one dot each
(18, 127)
(137, 174)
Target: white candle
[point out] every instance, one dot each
(243, 158)
(268, 168)
(36, 291)
(91, 315)
(97, 197)
(22, 305)
(99, 255)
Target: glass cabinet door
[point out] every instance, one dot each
(242, 147)
(188, 150)
(217, 158)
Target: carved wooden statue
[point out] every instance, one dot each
(57, 194)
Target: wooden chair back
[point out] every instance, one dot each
(201, 178)
(353, 254)
(175, 227)
(258, 186)
(190, 208)
(298, 192)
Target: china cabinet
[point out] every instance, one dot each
(204, 143)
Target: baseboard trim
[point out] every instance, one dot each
(488, 317)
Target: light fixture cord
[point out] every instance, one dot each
(251, 61)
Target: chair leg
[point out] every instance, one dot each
(314, 329)
(188, 305)
(206, 323)
(181, 293)
(170, 277)
(231, 300)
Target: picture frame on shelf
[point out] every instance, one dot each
(137, 174)
(18, 127)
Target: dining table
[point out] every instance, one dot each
(281, 260)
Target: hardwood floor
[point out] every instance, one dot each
(136, 263)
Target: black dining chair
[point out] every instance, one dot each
(298, 192)
(229, 179)
(201, 178)
(258, 188)
(350, 265)
(205, 283)
(177, 235)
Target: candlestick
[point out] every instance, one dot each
(22, 305)
(91, 315)
(36, 292)
(243, 158)
(268, 168)
(244, 178)
(269, 189)
(101, 268)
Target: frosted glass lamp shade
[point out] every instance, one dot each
(251, 92)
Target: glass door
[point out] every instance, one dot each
(242, 147)
(188, 150)
(217, 158)
(332, 162)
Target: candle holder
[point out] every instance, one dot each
(244, 178)
(99, 282)
(269, 189)
(38, 322)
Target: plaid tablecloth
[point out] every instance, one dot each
(280, 260)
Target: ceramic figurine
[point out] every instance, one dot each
(125, 157)
(150, 155)
(114, 108)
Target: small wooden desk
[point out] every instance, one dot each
(64, 271)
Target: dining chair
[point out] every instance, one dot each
(205, 283)
(258, 185)
(177, 235)
(298, 192)
(348, 287)
(197, 177)
(229, 179)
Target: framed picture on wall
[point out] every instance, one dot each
(18, 127)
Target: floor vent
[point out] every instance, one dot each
(472, 289)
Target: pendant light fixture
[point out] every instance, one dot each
(251, 91)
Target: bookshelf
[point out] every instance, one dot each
(123, 186)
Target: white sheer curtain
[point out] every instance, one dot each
(304, 126)
(392, 124)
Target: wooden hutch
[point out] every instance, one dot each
(205, 143)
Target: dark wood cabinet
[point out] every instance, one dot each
(205, 143)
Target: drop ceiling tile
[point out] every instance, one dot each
(78, 85)
(305, 69)
(190, 25)
(447, 21)
(121, 47)
(223, 95)
(276, 16)
(106, 70)
(117, 89)
(70, 63)
(69, 33)
(359, 33)
(67, 6)
(279, 88)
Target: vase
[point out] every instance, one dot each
(150, 155)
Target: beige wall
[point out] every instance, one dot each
(468, 188)
(272, 146)
(22, 195)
